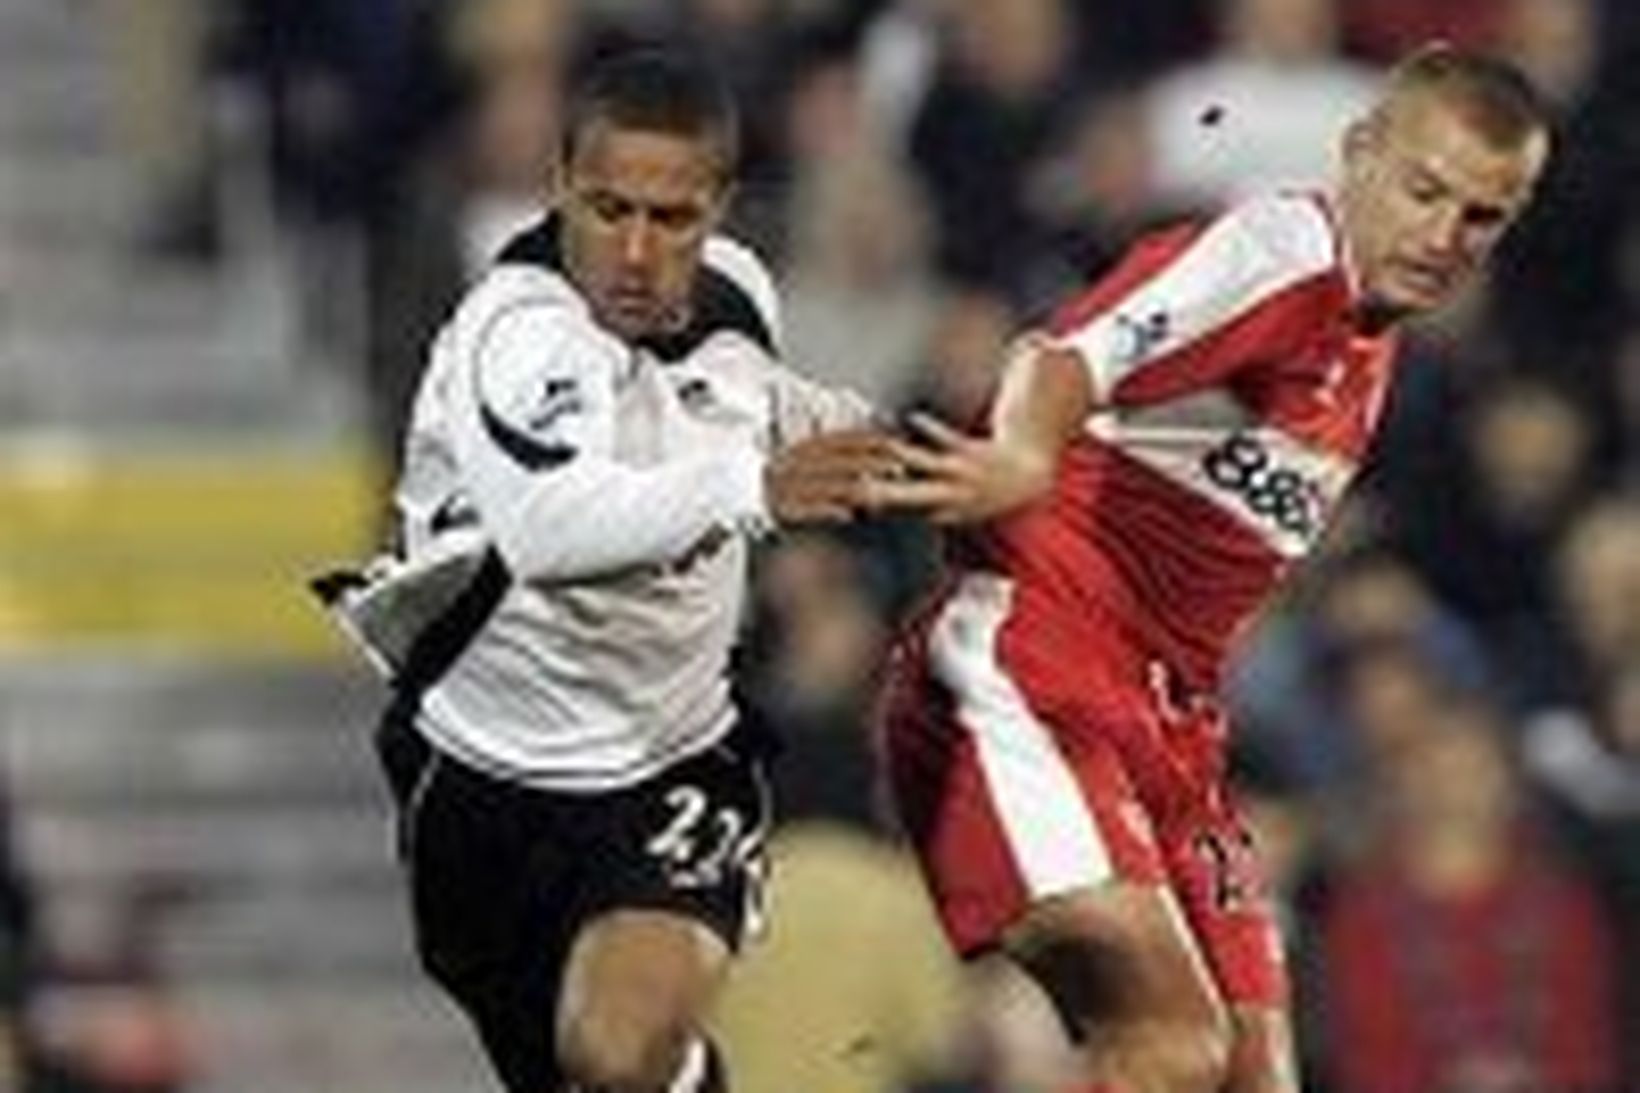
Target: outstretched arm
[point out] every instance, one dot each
(534, 436)
(1182, 312)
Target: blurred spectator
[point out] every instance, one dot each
(1589, 765)
(1462, 955)
(1591, 760)
(1095, 195)
(512, 54)
(113, 1037)
(1003, 91)
(1107, 181)
(1447, 363)
(1559, 299)
(1131, 41)
(752, 44)
(1626, 408)
(1554, 43)
(899, 52)
(1291, 690)
(963, 358)
(161, 52)
(331, 75)
(859, 301)
(1391, 698)
(807, 675)
(485, 176)
(106, 1019)
(1263, 111)
(1384, 30)
(1483, 532)
(1597, 585)
(17, 954)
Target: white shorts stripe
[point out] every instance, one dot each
(1045, 818)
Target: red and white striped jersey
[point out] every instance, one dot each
(1235, 400)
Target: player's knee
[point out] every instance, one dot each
(614, 1053)
(1181, 1056)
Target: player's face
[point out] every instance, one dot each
(1426, 199)
(637, 208)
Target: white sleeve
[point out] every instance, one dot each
(534, 438)
(800, 408)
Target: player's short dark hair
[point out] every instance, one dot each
(1495, 96)
(658, 90)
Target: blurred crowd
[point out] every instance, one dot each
(1439, 728)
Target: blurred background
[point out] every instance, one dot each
(227, 229)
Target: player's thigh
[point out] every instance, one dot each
(473, 877)
(1006, 798)
(1118, 957)
(1216, 871)
(643, 977)
(1218, 876)
(1014, 787)
(682, 861)
(491, 907)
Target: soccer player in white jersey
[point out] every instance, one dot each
(603, 425)
(1159, 457)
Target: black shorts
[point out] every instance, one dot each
(503, 876)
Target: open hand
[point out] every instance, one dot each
(960, 479)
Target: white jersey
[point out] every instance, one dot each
(575, 512)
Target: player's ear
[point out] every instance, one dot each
(557, 181)
(721, 201)
(1360, 136)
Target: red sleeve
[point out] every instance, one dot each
(1144, 260)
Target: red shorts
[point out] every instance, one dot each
(1030, 754)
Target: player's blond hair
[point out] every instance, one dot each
(1494, 96)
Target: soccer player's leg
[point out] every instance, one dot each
(1123, 972)
(676, 886)
(1262, 1058)
(635, 995)
(490, 926)
(1220, 883)
(1055, 862)
(1032, 838)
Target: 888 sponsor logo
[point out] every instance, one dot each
(1281, 496)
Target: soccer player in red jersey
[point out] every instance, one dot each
(1157, 458)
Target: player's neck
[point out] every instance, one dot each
(1370, 315)
(1375, 317)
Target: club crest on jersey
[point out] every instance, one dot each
(1138, 337)
(695, 394)
(560, 395)
(705, 402)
